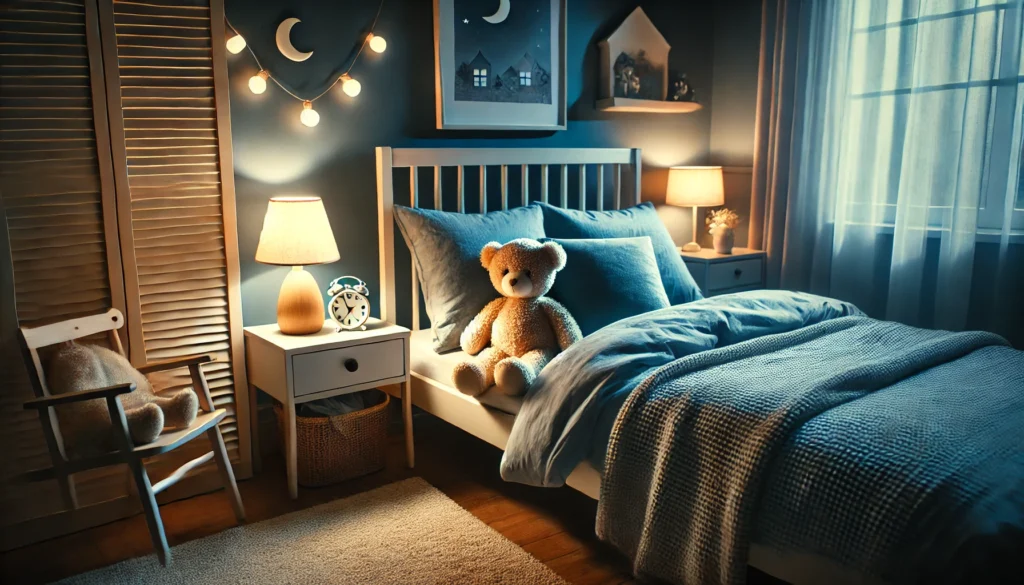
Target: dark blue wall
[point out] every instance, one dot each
(275, 155)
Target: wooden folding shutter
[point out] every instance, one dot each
(167, 78)
(58, 199)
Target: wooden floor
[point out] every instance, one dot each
(554, 525)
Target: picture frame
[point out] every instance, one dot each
(524, 87)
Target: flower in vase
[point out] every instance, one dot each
(721, 218)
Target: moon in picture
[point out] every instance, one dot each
(284, 40)
(501, 14)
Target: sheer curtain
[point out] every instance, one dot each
(889, 141)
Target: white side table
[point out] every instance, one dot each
(718, 274)
(299, 368)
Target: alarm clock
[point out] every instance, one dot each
(349, 306)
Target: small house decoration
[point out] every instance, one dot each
(634, 71)
(634, 60)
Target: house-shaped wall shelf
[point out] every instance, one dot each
(634, 70)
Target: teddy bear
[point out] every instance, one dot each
(523, 328)
(85, 426)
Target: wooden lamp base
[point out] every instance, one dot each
(300, 306)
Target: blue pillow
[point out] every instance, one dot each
(608, 279)
(446, 249)
(638, 221)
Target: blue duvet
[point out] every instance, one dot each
(568, 415)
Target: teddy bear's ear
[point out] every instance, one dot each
(556, 253)
(488, 252)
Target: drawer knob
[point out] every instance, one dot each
(738, 272)
(351, 365)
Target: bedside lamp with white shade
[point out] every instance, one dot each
(297, 233)
(695, 187)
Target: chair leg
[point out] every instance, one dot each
(227, 475)
(152, 512)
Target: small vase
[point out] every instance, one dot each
(723, 240)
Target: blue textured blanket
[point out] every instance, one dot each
(893, 451)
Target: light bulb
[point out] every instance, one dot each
(378, 44)
(350, 86)
(258, 82)
(236, 44)
(309, 117)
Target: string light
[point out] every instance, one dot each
(258, 82)
(236, 44)
(350, 86)
(309, 117)
(377, 43)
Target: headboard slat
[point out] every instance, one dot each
(437, 188)
(483, 189)
(504, 187)
(583, 188)
(462, 189)
(600, 187)
(526, 185)
(563, 192)
(544, 176)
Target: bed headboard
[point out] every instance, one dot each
(608, 166)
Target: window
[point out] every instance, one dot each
(936, 129)
(525, 78)
(479, 78)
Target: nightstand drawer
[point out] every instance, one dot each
(347, 366)
(723, 275)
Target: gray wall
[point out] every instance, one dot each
(737, 45)
(275, 155)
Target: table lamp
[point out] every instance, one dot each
(296, 233)
(695, 187)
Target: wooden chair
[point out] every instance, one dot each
(34, 338)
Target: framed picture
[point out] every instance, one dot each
(500, 64)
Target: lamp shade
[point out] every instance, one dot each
(296, 232)
(695, 187)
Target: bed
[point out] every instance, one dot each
(615, 184)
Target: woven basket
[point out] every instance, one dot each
(335, 448)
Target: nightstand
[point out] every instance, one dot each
(299, 368)
(717, 274)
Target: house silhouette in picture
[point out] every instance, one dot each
(524, 82)
(525, 70)
(638, 42)
(480, 67)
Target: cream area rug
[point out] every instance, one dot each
(404, 533)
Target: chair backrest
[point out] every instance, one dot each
(34, 338)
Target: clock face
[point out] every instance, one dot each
(350, 309)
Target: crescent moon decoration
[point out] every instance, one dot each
(503, 9)
(284, 41)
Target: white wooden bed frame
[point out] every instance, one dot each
(445, 402)
(619, 164)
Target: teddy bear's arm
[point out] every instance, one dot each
(477, 334)
(567, 331)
